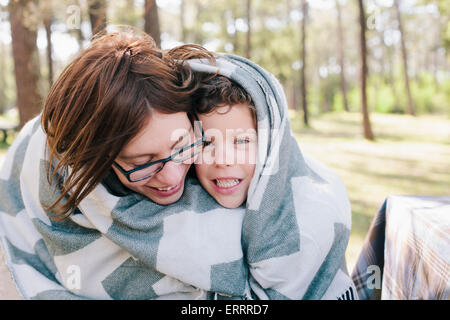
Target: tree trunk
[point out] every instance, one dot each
(410, 106)
(437, 45)
(390, 60)
(303, 68)
(48, 32)
(365, 112)
(248, 37)
(97, 15)
(78, 33)
(341, 55)
(294, 91)
(26, 58)
(236, 47)
(3, 102)
(183, 21)
(151, 19)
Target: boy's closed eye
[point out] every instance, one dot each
(236, 141)
(242, 140)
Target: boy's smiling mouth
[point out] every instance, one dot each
(226, 185)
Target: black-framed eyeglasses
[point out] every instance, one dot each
(186, 154)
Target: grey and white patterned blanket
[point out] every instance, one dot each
(287, 242)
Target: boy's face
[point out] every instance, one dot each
(226, 165)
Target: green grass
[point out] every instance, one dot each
(410, 156)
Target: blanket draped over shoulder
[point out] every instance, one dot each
(287, 242)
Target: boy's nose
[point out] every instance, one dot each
(224, 155)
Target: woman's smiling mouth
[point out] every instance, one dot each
(166, 191)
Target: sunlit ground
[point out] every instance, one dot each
(411, 156)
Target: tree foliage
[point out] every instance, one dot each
(275, 43)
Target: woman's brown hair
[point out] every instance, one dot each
(101, 101)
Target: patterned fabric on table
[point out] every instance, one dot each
(408, 249)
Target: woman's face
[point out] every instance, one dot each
(156, 140)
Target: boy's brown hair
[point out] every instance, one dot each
(219, 91)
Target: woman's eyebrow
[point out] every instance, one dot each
(151, 155)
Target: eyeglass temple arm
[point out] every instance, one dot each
(200, 124)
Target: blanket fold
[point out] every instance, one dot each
(287, 242)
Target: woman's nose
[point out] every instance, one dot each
(172, 173)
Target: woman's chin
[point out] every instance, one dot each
(162, 199)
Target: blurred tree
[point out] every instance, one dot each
(22, 17)
(183, 21)
(75, 19)
(48, 32)
(249, 29)
(3, 102)
(129, 16)
(341, 44)
(47, 17)
(410, 105)
(235, 33)
(151, 21)
(303, 59)
(444, 8)
(364, 70)
(444, 21)
(389, 53)
(97, 16)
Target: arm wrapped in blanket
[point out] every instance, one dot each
(28, 258)
(117, 244)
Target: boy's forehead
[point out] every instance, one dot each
(236, 116)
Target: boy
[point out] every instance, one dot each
(226, 165)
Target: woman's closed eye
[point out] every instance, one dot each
(140, 164)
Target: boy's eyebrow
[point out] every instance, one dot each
(152, 154)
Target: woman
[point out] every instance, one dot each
(119, 87)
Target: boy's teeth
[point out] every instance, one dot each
(166, 189)
(227, 183)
